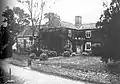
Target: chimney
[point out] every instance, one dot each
(78, 21)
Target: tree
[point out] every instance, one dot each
(110, 22)
(33, 17)
(53, 19)
(21, 17)
(35, 8)
(9, 21)
(7, 33)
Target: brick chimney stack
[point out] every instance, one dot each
(78, 21)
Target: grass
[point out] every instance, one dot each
(83, 63)
(78, 63)
(87, 65)
(21, 57)
(77, 67)
(18, 60)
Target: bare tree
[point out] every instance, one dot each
(35, 8)
(34, 11)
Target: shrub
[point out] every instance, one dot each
(37, 52)
(71, 51)
(43, 56)
(73, 54)
(46, 51)
(52, 54)
(66, 53)
(34, 51)
(85, 53)
(32, 55)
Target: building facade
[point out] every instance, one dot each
(78, 37)
(89, 36)
(25, 39)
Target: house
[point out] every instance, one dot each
(92, 35)
(77, 37)
(80, 36)
(60, 37)
(53, 37)
(25, 38)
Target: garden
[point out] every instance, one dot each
(69, 65)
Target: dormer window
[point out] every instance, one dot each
(88, 34)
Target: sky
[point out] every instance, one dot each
(90, 10)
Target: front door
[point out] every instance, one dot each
(78, 49)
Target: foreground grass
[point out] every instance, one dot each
(21, 57)
(78, 63)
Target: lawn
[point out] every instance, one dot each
(82, 67)
(20, 57)
(78, 63)
(78, 67)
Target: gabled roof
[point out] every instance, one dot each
(67, 25)
(64, 24)
(82, 27)
(88, 26)
(28, 31)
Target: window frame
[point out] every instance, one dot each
(86, 44)
(69, 33)
(88, 34)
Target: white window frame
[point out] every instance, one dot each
(88, 34)
(86, 44)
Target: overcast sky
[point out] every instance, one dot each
(90, 10)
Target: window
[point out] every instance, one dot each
(88, 46)
(20, 41)
(88, 34)
(69, 33)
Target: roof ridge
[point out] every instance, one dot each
(88, 23)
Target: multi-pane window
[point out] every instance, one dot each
(88, 34)
(20, 41)
(27, 41)
(69, 33)
(88, 46)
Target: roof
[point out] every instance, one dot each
(63, 24)
(27, 32)
(82, 27)
(68, 25)
(88, 26)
